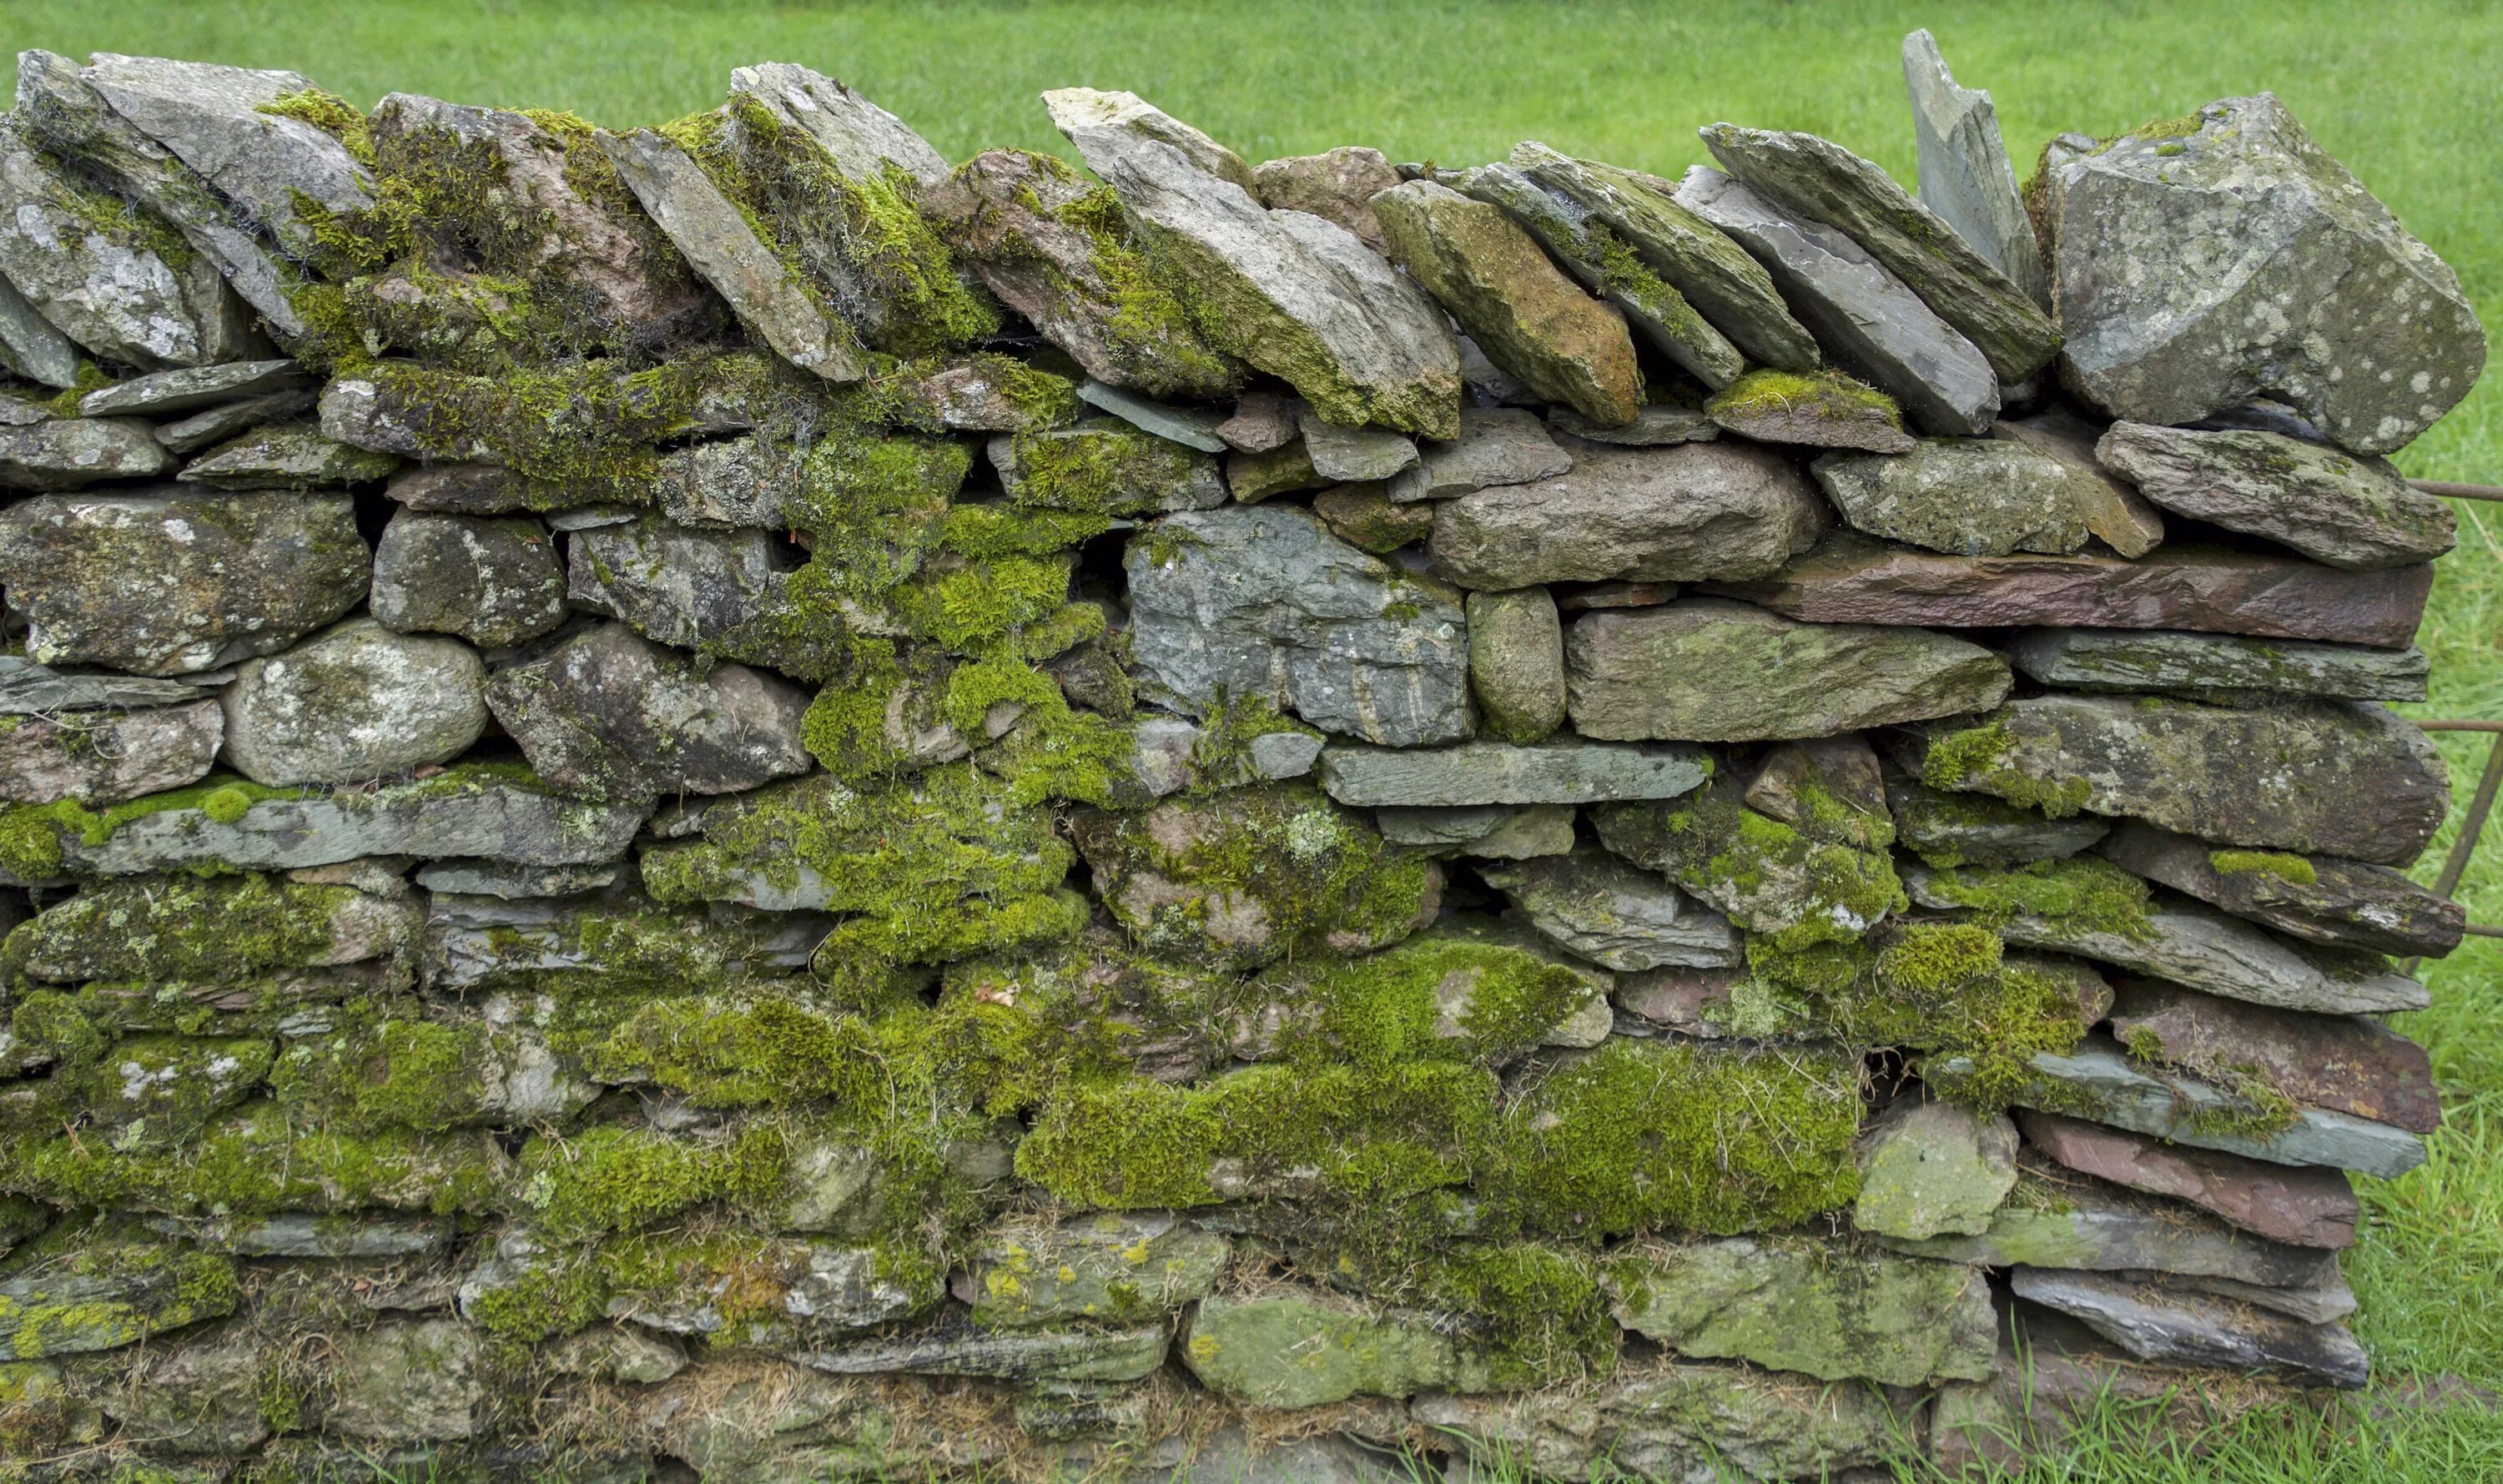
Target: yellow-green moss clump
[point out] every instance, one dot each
(1978, 758)
(1784, 884)
(2082, 894)
(2284, 865)
(1103, 469)
(1828, 395)
(1457, 994)
(32, 837)
(183, 928)
(1651, 1136)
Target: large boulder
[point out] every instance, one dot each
(1666, 673)
(357, 702)
(1873, 324)
(2206, 260)
(1265, 605)
(2360, 514)
(1295, 295)
(171, 582)
(610, 715)
(1693, 512)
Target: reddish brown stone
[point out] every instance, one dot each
(2341, 904)
(1849, 578)
(2306, 1205)
(2344, 1062)
(1680, 999)
(1583, 599)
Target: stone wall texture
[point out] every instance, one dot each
(730, 802)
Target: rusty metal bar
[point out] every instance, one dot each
(2451, 489)
(2480, 805)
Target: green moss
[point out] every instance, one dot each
(972, 606)
(762, 1049)
(32, 837)
(377, 1071)
(618, 1179)
(1625, 277)
(1221, 755)
(871, 502)
(1643, 1135)
(183, 928)
(1978, 758)
(989, 532)
(48, 1025)
(907, 392)
(155, 1091)
(1452, 993)
(1831, 395)
(2282, 864)
(2085, 894)
(1776, 881)
(329, 112)
(1105, 468)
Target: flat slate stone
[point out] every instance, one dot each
(1682, 514)
(1265, 602)
(1033, 1355)
(2187, 943)
(1852, 579)
(2318, 898)
(1351, 454)
(2349, 778)
(1964, 176)
(1976, 830)
(2305, 1206)
(1496, 446)
(1189, 427)
(1656, 425)
(1616, 914)
(189, 388)
(1821, 180)
(1495, 831)
(296, 456)
(1827, 410)
(1820, 1308)
(2358, 514)
(2320, 1303)
(2194, 1329)
(1293, 294)
(2052, 1219)
(1874, 325)
(1287, 1350)
(715, 238)
(2346, 1064)
(1933, 1168)
(2100, 1077)
(1520, 308)
(1665, 673)
(2202, 264)
(29, 346)
(2218, 668)
(1969, 496)
(1694, 256)
(1499, 773)
(71, 453)
(28, 689)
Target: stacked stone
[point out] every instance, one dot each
(722, 799)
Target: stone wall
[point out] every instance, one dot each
(723, 801)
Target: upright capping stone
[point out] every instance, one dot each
(1964, 175)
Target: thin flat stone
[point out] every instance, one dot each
(2057, 1222)
(1615, 913)
(1499, 773)
(1189, 427)
(1496, 446)
(1868, 318)
(2318, 898)
(1493, 831)
(28, 689)
(1064, 1356)
(107, 758)
(2304, 1206)
(29, 346)
(2100, 1077)
(190, 387)
(1821, 180)
(1655, 424)
(2344, 1062)
(2325, 1302)
(1351, 454)
(2188, 943)
(295, 457)
(2216, 667)
(215, 424)
(72, 452)
(1852, 579)
(1964, 176)
(493, 878)
(2193, 1329)
(2360, 514)
(1827, 411)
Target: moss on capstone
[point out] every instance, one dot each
(1828, 395)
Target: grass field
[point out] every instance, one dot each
(2404, 91)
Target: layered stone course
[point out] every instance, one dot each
(725, 801)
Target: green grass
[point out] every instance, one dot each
(2403, 90)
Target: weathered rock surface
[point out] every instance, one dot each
(2346, 1064)
(1495, 831)
(1655, 424)
(1828, 409)
(1670, 1420)
(1295, 1350)
(1051, 468)
(2217, 668)
(357, 702)
(188, 388)
(1564, 772)
(1964, 176)
(1291, 293)
(1359, 454)
(1022, 222)
(107, 756)
(2300, 1205)
(672, 585)
(2350, 779)
(1766, 876)
(1191, 427)
(1266, 604)
(198, 1394)
(717, 241)
(2200, 265)
(1691, 513)
(1875, 326)
(1065, 1357)
(2121, 517)
(1931, 1169)
(2193, 1329)
(1794, 1304)
(1328, 1459)
(416, 1382)
(1815, 179)
(1336, 186)
(1615, 914)
(295, 456)
(1527, 316)
(29, 347)
(1971, 496)
(2051, 1220)
(1101, 1267)
(608, 715)
(493, 582)
(71, 453)
(2320, 899)
(211, 118)
(1364, 517)
(1516, 663)
(2099, 1081)
(28, 689)
(2353, 513)
(1949, 829)
(215, 425)
(1689, 253)
(168, 583)
(2189, 944)
(1851, 579)
(112, 1290)
(1664, 673)
(1496, 446)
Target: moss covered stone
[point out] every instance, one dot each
(1471, 991)
(1778, 881)
(208, 930)
(1300, 1349)
(1104, 467)
(100, 1285)
(1098, 1266)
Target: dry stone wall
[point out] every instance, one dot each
(728, 802)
